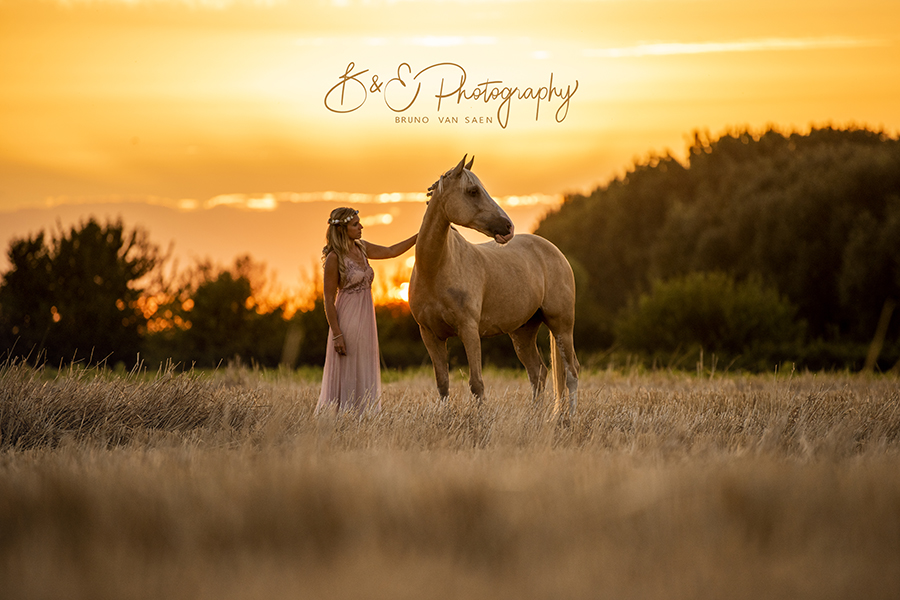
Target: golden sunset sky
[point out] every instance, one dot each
(196, 104)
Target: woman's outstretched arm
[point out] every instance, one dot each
(376, 251)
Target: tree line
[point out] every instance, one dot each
(812, 218)
(103, 293)
(759, 248)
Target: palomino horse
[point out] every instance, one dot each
(510, 285)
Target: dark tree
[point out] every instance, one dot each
(76, 296)
(25, 298)
(221, 316)
(814, 216)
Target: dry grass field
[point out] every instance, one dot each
(665, 485)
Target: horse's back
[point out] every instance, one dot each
(533, 266)
(528, 251)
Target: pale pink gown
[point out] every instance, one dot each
(353, 381)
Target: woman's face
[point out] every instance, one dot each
(354, 228)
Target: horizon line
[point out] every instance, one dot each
(266, 201)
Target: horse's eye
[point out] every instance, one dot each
(472, 191)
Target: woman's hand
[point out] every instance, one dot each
(339, 346)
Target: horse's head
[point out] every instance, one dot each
(465, 202)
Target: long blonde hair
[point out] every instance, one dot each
(338, 241)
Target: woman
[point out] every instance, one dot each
(352, 377)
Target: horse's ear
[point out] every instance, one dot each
(457, 171)
(469, 164)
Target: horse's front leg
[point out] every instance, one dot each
(437, 350)
(471, 340)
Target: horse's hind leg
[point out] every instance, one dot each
(525, 342)
(437, 350)
(567, 345)
(565, 370)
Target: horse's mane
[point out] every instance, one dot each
(438, 186)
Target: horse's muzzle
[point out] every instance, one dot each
(504, 232)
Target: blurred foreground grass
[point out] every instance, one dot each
(664, 485)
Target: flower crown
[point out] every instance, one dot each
(343, 221)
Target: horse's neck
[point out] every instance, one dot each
(434, 241)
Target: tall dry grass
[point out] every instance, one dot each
(664, 485)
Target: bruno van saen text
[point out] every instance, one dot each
(400, 93)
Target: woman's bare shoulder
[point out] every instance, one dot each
(331, 260)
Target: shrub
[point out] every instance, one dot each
(715, 313)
